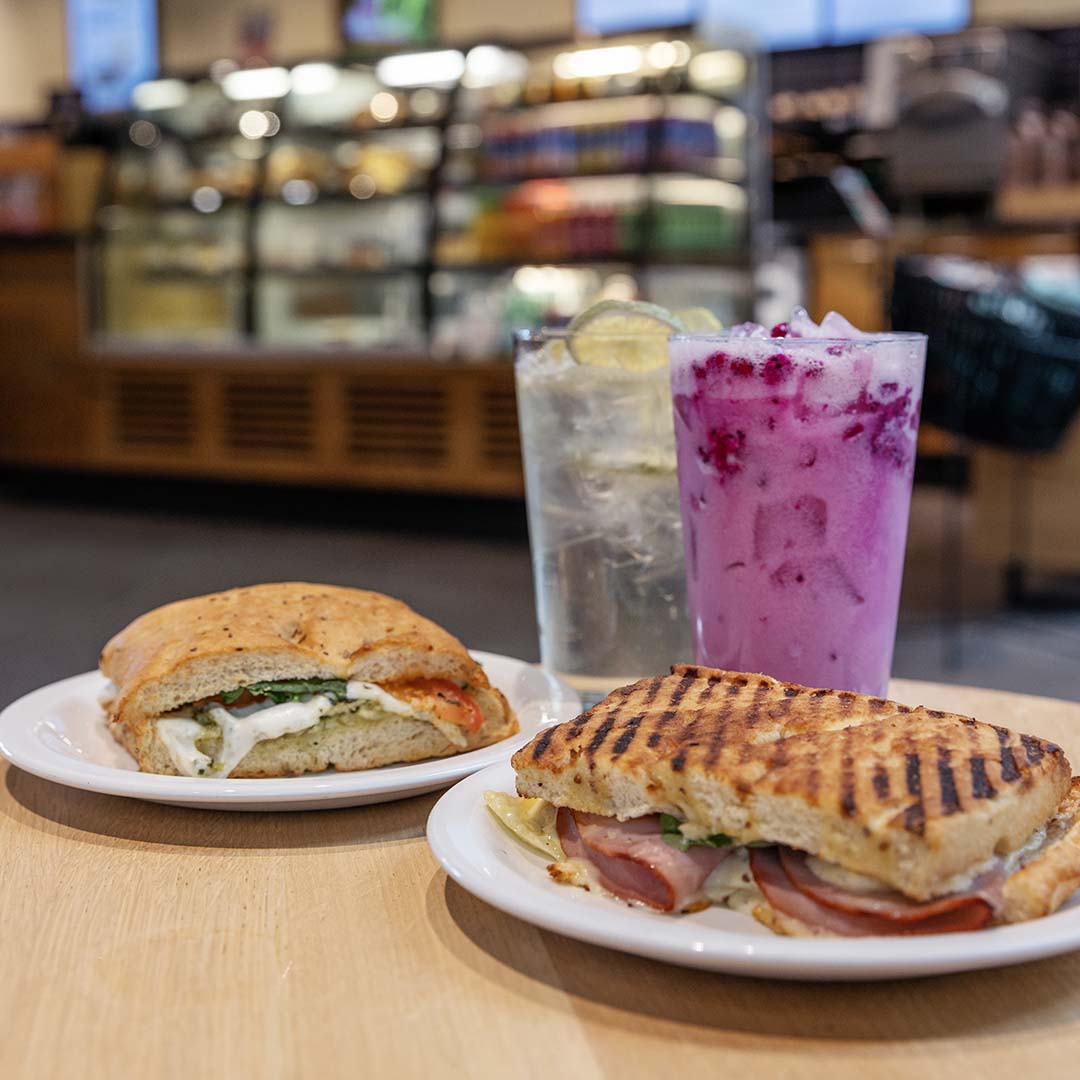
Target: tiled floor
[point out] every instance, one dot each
(71, 574)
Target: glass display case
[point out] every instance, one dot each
(430, 203)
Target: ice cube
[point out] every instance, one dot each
(788, 525)
(834, 325)
(749, 330)
(800, 324)
(823, 575)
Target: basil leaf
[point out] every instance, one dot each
(672, 835)
(281, 690)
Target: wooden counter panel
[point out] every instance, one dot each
(426, 427)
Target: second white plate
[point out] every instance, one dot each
(488, 861)
(59, 733)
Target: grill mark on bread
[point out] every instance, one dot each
(1033, 748)
(657, 733)
(981, 788)
(950, 798)
(652, 690)
(1009, 772)
(543, 742)
(915, 814)
(680, 691)
(665, 717)
(881, 782)
(624, 740)
(720, 722)
(602, 732)
(678, 763)
(847, 775)
(577, 726)
(753, 714)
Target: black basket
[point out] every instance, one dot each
(1000, 367)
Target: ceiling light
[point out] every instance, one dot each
(598, 63)
(160, 94)
(662, 55)
(488, 65)
(254, 124)
(251, 84)
(314, 78)
(722, 69)
(384, 107)
(421, 69)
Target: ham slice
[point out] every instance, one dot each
(883, 903)
(633, 861)
(853, 914)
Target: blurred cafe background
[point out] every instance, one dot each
(261, 261)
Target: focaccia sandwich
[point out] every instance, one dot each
(281, 679)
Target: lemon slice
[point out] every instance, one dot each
(698, 320)
(623, 334)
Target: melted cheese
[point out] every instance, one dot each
(241, 729)
(1008, 864)
(530, 820)
(179, 734)
(355, 690)
(847, 880)
(732, 883)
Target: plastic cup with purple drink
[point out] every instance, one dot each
(795, 458)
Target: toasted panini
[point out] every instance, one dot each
(911, 796)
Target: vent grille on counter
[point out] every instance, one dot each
(269, 415)
(396, 424)
(501, 445)
(154, 411)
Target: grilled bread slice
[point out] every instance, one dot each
(911, 796)
(195, 649)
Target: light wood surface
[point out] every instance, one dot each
(145, 941)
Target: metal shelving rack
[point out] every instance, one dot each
(638, 258)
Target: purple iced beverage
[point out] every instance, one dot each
(795, 459)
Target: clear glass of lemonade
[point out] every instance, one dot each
(605, 529)
(796, 453)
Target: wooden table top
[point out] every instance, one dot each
(146, 941)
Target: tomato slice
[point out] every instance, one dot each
(463, 709)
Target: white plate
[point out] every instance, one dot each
(488, 861)
(58, 732)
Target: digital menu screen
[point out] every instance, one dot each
(862, 20)
(780, 24)
(619, 16)
(112, 45)
(388, 21)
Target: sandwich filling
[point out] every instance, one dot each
(658, 862)
(212, 736)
